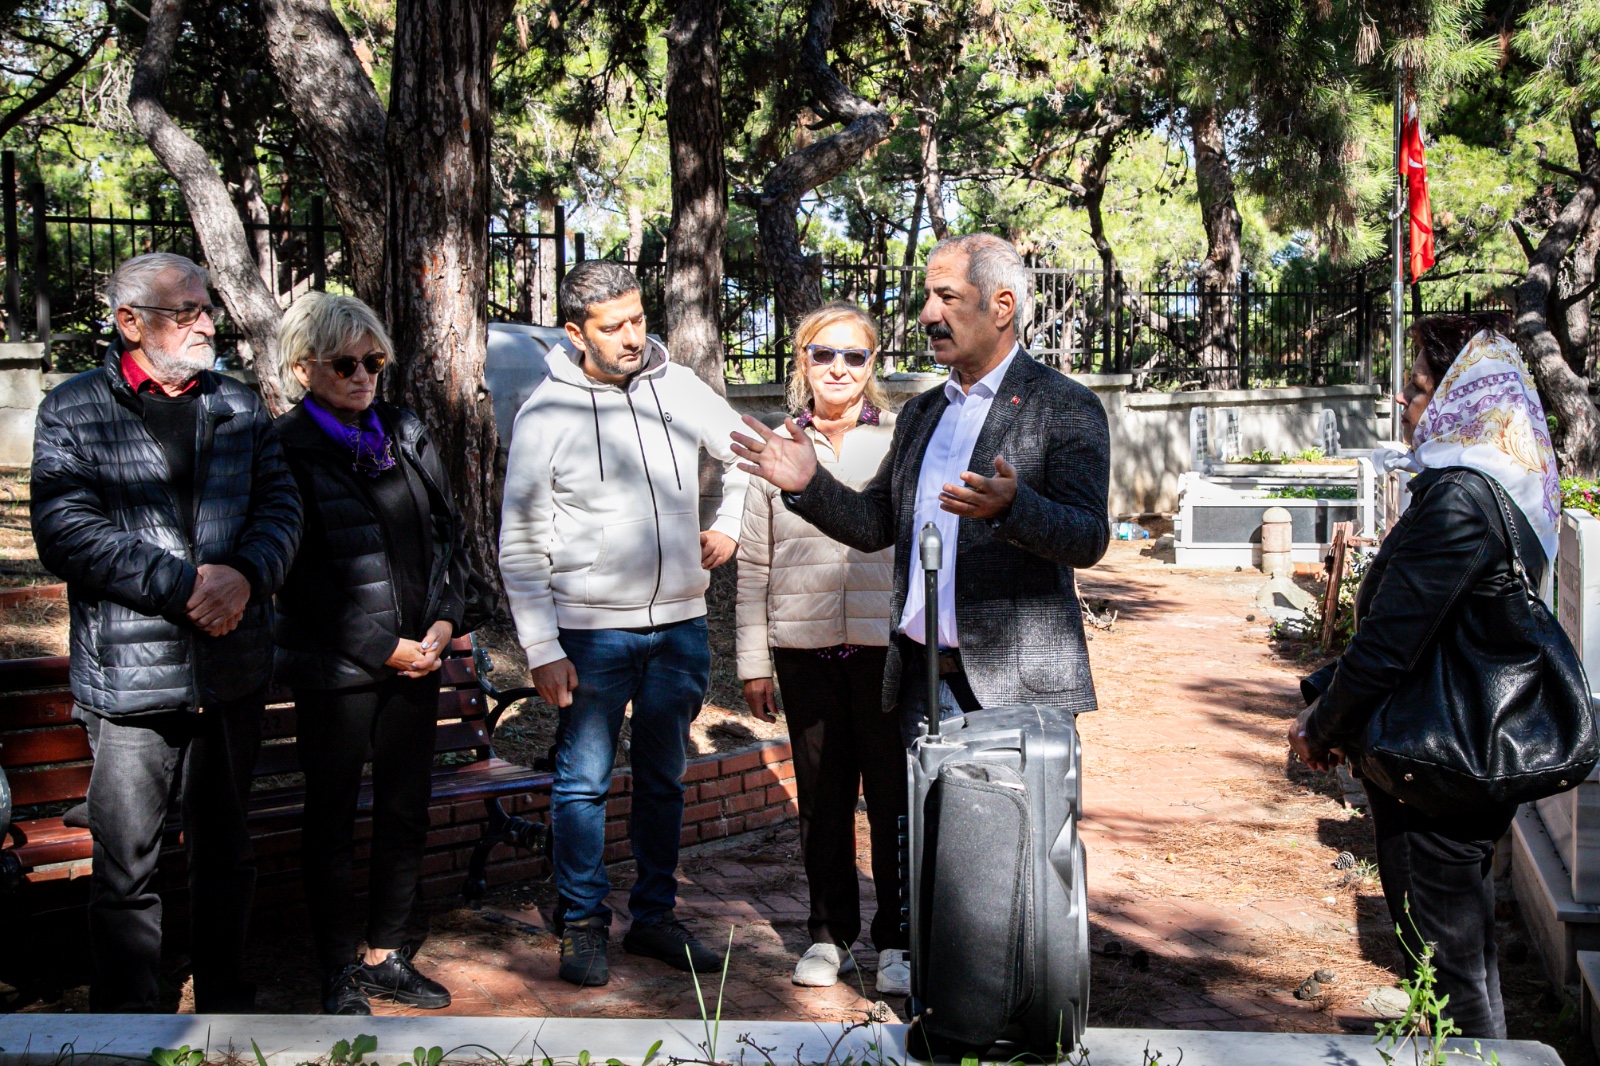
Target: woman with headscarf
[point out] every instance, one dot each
(1469, 411)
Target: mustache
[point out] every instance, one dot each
(940, 331)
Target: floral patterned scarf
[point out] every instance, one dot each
(1486, 415)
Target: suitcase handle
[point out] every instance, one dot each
(932, 557)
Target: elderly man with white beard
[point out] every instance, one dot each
(161, 496)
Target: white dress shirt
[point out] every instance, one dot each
(947, 457)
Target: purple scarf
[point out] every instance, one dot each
(368, 445)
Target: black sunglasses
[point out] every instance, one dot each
(187, 315)
(823, 355)
(345, 365)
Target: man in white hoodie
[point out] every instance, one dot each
(606, 568)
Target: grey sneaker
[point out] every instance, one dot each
(894, 972)
(821, 966)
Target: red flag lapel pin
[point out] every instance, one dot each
(1016, 399)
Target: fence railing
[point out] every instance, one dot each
(1085, 319)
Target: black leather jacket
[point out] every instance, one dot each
(1439, 576)
(339, 611)
(106, 521)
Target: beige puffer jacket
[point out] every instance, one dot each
(800, 589)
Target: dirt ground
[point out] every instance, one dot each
(1213, 887)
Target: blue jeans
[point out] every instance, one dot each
(664, 673)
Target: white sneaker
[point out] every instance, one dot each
(894, 972)
(821, 965)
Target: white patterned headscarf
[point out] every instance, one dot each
(1486, 415)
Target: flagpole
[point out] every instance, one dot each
(1397, 290)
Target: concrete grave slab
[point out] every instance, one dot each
(285, 1040)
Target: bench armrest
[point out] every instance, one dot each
(499, 702)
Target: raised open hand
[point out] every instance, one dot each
(788, 462)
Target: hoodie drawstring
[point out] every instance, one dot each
(668, 433)
(598, 454)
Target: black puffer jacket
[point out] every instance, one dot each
(1439, 576)
(106, 521)
(339, 610)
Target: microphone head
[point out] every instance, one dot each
(932, 547)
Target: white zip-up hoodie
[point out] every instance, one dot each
(600, 527)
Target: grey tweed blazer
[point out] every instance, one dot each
(1017, 611)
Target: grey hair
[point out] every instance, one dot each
(993, 263)
(133, 282)
(592, 282)
(319, 325)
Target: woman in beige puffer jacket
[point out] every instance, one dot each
(815, 614)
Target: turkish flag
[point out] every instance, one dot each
(1414, 172)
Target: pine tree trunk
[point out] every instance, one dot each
(239, 170)
(908, 260)
(338, 116)
(1573, 319)
(228, 254)
(635, 231)
(932, 178)
(1565, 393)
(796, 284)
(699, 190)
(436, 263)
(1213, 178)
(546, 251)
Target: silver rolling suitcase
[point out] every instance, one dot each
(994, 874)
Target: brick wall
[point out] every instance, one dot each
(723, 795)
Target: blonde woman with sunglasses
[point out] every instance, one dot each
(374, 598)
(814, 614)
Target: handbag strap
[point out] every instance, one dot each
(1513, 540)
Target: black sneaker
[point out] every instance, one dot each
(340, 994)
(674, 945)
(583, 952)
(395, 978)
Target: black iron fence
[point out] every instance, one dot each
(1085, 319)
(526, 269)
(1068, 328)
(1248, 337)
(62, 256)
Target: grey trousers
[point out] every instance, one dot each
(205, 760)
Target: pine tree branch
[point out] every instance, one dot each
(58, 81)
(1523, 239)
(1557, 168)
(228, 254)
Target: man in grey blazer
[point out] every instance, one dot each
(1010, 460)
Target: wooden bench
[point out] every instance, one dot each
(46, 757)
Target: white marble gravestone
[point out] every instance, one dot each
(1573, 818)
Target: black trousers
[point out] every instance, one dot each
(1442, 867)
(206, 760)
(845, 746)
(955, 695)
(393, 725)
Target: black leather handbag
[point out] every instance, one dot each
(1488, 718)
